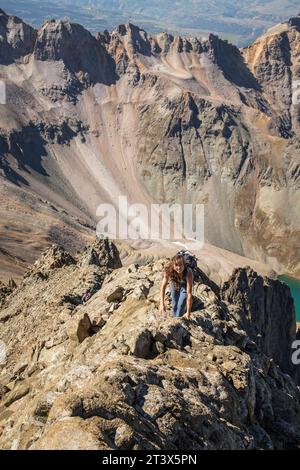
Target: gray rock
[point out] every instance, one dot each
(141, 344)
(268, 314)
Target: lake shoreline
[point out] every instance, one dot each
(294, 285)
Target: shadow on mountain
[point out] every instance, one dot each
(27, 147)
(17, 38)
(81, 52)
(230, 60)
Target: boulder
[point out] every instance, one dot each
(108, 254)
(16, 394)
(80, 328)
(116, 295)
(140, 344)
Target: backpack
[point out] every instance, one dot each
(190, 260)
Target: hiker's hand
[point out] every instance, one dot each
(162, 308)
(188, 315)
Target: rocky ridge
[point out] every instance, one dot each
(107, 371)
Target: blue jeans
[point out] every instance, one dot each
(178, 301)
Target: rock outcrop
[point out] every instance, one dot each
(112, 373)
(269, 314)
(80, 52)
(274, 59)
(17, 38)
(6, 289)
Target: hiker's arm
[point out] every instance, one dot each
(164, 284)
(189, 288)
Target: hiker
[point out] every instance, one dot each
(181, 279)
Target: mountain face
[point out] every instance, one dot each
(274, 60)
(157, 118)
(113, 373)
(17, 38)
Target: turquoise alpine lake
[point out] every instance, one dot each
(294, 285)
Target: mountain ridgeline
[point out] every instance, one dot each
(157, 118)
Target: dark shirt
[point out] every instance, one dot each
(183, 283)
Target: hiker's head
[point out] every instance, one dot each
(178, 263)
(175, 269)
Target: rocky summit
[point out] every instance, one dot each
(92, 364)
(158, 118)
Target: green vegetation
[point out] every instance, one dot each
(235, 20)
(294, 285)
